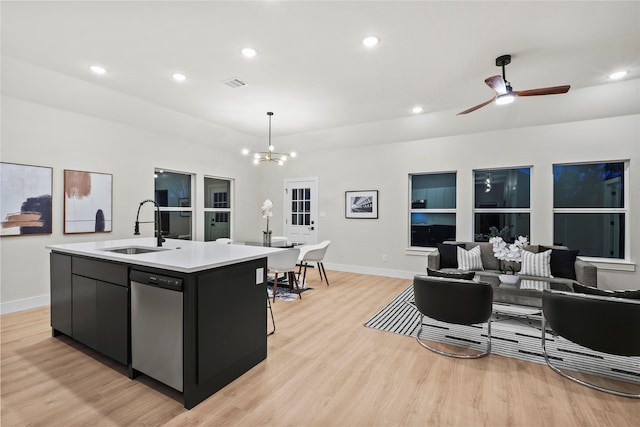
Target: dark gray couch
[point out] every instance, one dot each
(586, 273)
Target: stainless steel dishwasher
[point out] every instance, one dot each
(156, 327)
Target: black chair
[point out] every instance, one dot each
(461, 302)
(600, 323)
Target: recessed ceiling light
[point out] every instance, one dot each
(179, 77)
(98, 69)
(249, 52)
(617, 75)
(370, 41)
(417, 109)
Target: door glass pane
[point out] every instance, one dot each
(593, 185)
(502, 188)
(428, 229)
(300, 204)
(433, 191)
(594, 234)
(173, 189)
(217, 193)
(506, 225)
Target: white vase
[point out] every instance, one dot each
(509, 279)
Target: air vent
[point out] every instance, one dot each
(234, 82)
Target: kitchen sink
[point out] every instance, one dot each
(134, 250)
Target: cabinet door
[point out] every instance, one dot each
(112, 320)
(61, 298)
(84, 310)
(232, 313)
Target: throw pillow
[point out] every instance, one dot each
(590, 290)
(562, 262)
(450, 275)
(448, 255)
(469, 260)
(536, 264)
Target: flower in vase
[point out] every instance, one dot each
(266, 211)
(509, 253)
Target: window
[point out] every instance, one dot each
(433, 208)
(301, 206)
(589, 208)
(217, 208)
(502, 203)
(173, 195)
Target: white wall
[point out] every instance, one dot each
(45, 136)
(358, 245)
(38, 135)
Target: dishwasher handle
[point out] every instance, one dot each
(156, 280)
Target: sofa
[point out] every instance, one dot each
(583, 271)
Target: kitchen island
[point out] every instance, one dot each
(220, 290)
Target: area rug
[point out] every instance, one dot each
(517, 337)
(283, 292)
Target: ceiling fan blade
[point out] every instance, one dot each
(477, 106)
(496, 83)
(554, 90)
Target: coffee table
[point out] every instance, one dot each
(527, 292)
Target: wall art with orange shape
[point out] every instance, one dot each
(25, 199)
(87, 202)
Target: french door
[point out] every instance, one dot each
(301, 210)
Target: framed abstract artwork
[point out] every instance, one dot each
(361, 204)
(25, 199)
(88, 198)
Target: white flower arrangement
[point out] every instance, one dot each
(266, 211)
(508, 252)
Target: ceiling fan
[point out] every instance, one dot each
(506, 95)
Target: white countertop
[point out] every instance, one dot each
(185, 256)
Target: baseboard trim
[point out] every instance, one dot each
(25, 304)
(399, 274)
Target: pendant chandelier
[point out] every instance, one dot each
(270, 155)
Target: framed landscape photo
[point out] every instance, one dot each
(25, 199)
(87, 202)
(361, 204)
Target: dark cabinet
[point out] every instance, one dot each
(84, 310)
(112, 320)
(90, 303)
(61, 294)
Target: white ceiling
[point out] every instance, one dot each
(312, 70)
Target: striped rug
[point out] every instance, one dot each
(515, 332)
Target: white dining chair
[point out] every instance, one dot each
(223, 240)
(313, 253)
(284, 263)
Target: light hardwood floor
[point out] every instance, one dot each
(324, 368)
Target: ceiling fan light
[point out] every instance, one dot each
(256, 156)
(256, 160)
(245, 151)
(271, 148)
(505, 98)
(292, 154)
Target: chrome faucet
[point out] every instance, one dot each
(136, 231)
